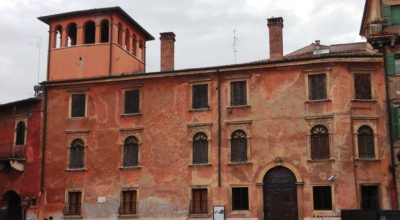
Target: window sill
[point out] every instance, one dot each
(77, 118)
(200, 109)
(238, 212)
(75, 170)
(319, 100)
(131, 168)
(239, 163)
(238, 106)
(128, 216)
(367, 159)
(199, 215)
(201, 165)
(363, 100)
(72, 217)
(321, 160)
(131, 114)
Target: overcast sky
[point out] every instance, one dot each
(203, 28)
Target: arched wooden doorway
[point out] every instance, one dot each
(10, 206)
(280, 195)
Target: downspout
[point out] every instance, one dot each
(219, 128)
(44, 136)
(111, 39)
(145, 60)
(48, 55)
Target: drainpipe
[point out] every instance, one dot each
(48, 55)
(111, 38)
(44, 136)
(219, 128)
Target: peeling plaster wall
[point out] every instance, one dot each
(278, 107)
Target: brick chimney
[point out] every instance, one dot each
(275, 26)
(167, 50)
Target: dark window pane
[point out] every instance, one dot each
(128, 205)
(78, 105)
(200, 148)
(240, 198)
(20, 139)
(76, 154)
(317, 87)
(369, 197)
(320, 143)
(132, 101)
(238, 93)
(199, 201)
(362, 85)
(239, 146)
(131, 152)
(366, 148)
(200, 96)
(322, 197)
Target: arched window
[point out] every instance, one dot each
(104, 31)
(239, 146)
(134, 45)
(90, 32)
(131, 152)
(319, 142)
(20, 132)
(57, 37)
(120, 34)
(71, 31)
(76, 154)
(200, 148)
(366, 142)
(127, 40)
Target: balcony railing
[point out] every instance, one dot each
(8, 151)
(382, 29)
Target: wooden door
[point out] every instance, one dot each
(280, 195)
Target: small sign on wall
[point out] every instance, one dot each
(101, 199)
(219, 212)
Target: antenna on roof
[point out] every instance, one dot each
(38, 44)
(234, 43)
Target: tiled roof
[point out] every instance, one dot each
(28, 100)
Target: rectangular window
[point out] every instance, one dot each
(132, 102)
(238, 93)
(322, 196)
(240, 198)
(74, 204)
(128, 205)
(362, 86)
(317, 87)
(369, 197)
(200, 96)
(199, 201)
(78, 104)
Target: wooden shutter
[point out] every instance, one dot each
(395, 123)
(131, 152)
(315, 147)
(395, 14)
(74, 203)
(200, 152)
(390, 64)
(78, 105)
(386, 14)
(243, 150)
(129, 202)
(200, 96)
(76, 157)
(321, 86)
(240, 198)
(362, 85)
(238, 93)
(132, 101)
(317, 87)
(203, 201)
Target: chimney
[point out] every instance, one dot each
(317, 44)
(167, 50)
(275, 26)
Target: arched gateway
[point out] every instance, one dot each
(10, 206)
(280, 194)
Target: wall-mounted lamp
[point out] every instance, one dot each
(332, 178)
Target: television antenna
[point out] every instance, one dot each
(38, 44)
(234, 44)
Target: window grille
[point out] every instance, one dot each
(369, 197)
(78, 105)
(76, 154)
(319, 142)
(73, 206)
(238, 93)
(200, 96)
(20, 132)
(362, 85)
(322, 196)
(200, 148)
(240, 198)
(366, 148)
(198, 204)
(317, 87)
(239, 146)
(131, 149)
(132, 102)
(128, 203)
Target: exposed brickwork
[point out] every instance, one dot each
(167, 50)
(275, 26)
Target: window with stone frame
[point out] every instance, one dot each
(319, 142)
(76, 155)
(73, 205)
(78, 105)
(366, 145)
(20, 133)
(362, 86)
(317, 87)
(239, 146)
(199, 202)
(200, 148)
(240, 198)
(132, 99)
(128, 202)
(200, 96)
(238, 93)
(322, 198)
(369, 197)
(131, 152)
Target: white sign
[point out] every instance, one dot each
(219, 213)
(101, 199)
